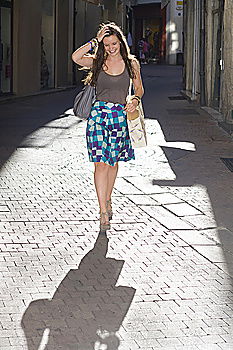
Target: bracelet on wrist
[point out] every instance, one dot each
(93, 43)
(90, 42)
(137, 98)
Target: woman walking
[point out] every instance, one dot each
(111, 67)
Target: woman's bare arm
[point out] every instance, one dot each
(138, 88)
(137, 81)
(80, 56)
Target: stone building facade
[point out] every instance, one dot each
(36, 39)
(38, 36)
(208, 68)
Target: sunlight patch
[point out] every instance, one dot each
(156, 137)
(45, 339)
(107, 340)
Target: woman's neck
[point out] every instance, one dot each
(117, 58)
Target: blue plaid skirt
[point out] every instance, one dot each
(107, 134)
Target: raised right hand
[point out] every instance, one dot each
(101, 34)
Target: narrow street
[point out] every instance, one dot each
(162, 277)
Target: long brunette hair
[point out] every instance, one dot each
(100, 57)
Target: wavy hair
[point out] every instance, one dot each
(99, 57)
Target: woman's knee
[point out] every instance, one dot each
(101, 167)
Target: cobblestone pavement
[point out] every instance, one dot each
(161, 278)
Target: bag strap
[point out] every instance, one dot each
(130, 88)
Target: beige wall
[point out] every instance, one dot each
(227, 77)
(174, 31)
(27, 46)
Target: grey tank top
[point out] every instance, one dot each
(112, 88)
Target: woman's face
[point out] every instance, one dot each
(111, 45)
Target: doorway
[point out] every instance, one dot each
(148, 25)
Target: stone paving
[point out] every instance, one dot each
(161, 277)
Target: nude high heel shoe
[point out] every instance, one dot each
(109, 209)
(104, 222)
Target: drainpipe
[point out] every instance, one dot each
(202, 53)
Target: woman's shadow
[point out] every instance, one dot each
(86, 310)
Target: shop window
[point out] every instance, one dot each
(47, 43)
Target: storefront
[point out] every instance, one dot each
(6, 70)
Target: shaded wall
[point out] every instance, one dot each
(73, 23)
(27, 32)
(88, 16)
(26, 46)
(62, 47)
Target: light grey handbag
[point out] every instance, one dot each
(136, 124)
(83, 102)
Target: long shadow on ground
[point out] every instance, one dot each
(86, 310)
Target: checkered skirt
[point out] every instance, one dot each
(107, 134)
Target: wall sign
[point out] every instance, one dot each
(179, 8)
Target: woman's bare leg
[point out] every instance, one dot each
(112, 174)
(101, 184)
(104, 177)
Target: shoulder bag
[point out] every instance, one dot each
(136, 123)
(83, 102)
